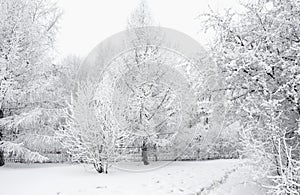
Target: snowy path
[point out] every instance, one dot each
(176, 178)
(238, 182)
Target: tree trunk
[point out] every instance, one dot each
(145, 153)
(155, 153)
(101, 167)
(2, 162)
(198, 154)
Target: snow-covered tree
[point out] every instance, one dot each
(257, 50)
(91, 135)
(153, 111)
(27, 34)
(148, 96)
(159, 82)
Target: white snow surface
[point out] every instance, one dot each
(175, 178)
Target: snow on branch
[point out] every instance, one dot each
(19, 151)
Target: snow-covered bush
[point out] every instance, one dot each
(90, 134)
(288, 179)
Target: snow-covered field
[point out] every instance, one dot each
(215, 177)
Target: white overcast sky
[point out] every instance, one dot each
(87, 22)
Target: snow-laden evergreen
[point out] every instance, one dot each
(27, 33)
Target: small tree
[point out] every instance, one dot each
(90, 134)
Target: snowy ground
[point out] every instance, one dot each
(206, 177)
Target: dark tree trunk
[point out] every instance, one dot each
(198, 154)
(155, 153)
(101, 166)
(145, 153)
(2, 162)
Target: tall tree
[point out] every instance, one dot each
(257, 49)
(159, 81)
(153, 105)
(27, 34)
